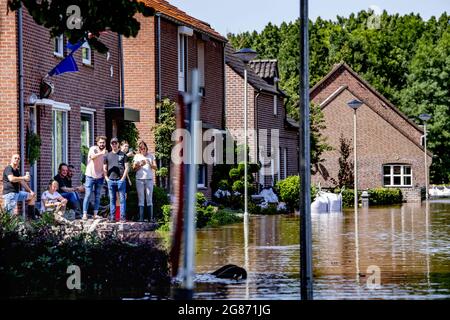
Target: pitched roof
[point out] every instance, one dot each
(266, 69)
(338, 67)
(166, 9)
(239, 66)
(343, 66)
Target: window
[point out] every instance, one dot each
(275, 105)
(201, 182)
(33, 128)
(182, 62)
(58, 46)
(201, 66)
(87, 135)
(86, 53)
(279, 163)
(397, 175)
(59, 138)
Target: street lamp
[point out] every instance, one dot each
(425, 118)
(246, 55)
(355, 104)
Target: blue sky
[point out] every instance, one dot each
(248, 15)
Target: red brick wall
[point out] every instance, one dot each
(9, 84)
(263, 118)
(378, 141)
(141, 74)
(140, 77)
(91, 87)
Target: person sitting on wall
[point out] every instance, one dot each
(70, 174)
(52, 201)
(12, 180)
(66, 189)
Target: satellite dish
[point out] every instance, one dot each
(46, 89)
(32, 99)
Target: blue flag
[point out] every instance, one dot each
(74, 47)
(66, 65)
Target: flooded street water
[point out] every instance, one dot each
(408, 244)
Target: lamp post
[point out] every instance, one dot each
(355, 104)
(425, 118)
(246, 55)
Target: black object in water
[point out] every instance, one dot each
(230, 271)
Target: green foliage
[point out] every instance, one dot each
(385, 196)
(164, 128)
(162, 172)
(377, 196)
(345, 174)
(289, 191)
(130, 133)
(34, 260)
(318, 141)
(118, 18)
(204, 215)
(223, 217)
(33, 147)
(164, 220)
(406, 60)
(160, 199)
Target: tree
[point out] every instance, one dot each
(163, 135)
(345, 174)
(428, 91)
(86, 19)
(318, 141)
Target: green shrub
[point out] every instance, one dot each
(289, 191)
(160, 198)
(164, 220)
(385, 196)
(204, 215)
(223, 217)
(34, 262)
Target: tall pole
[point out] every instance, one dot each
(306, 285)
(245, 146)
(426, 160)
(355, 163)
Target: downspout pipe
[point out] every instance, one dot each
(122, 78)
(159, 58)
(21, 95)
(256, 136)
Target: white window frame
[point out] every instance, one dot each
(201, 66)
(87, 47)
(203, 173)
(89, 112)
(279, 163)
(60, 50)
(183, 33)
(182, 62)
(64, 108)
(402, 175)
(275, 105)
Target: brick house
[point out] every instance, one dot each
(73, 115)
(390, 153)
(266, 111)
(158, 64)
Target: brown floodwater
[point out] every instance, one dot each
(398, 252)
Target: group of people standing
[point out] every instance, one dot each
(112, 167)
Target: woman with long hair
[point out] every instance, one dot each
(144, 163)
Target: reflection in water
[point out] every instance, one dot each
(409, 243)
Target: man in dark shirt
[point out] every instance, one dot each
(66, 189)
(116, 169)
(12, 180)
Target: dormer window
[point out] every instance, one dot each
(58, 49)
(86, 53)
